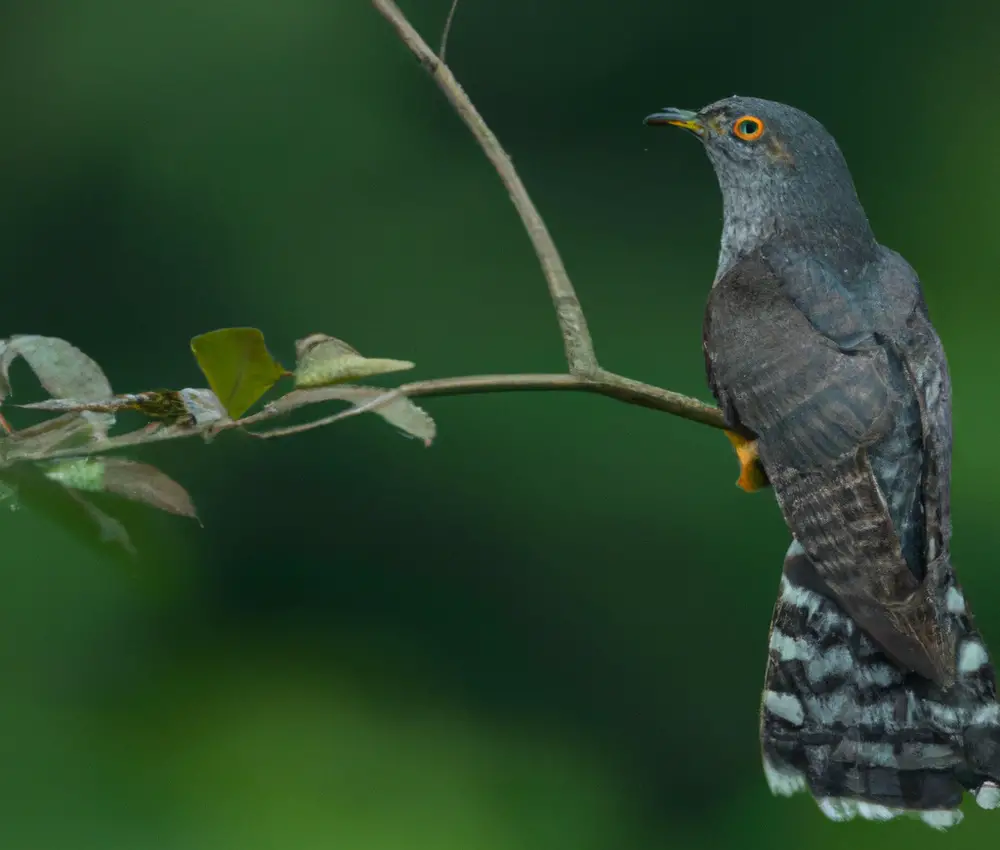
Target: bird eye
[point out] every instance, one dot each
(749, 128)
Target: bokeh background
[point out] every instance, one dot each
(549, 629)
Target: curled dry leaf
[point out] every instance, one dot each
(324, 360)
(394, 408)
(62, 369)
(62, 432)
(173, 407)
(238, 366)
(203, 406)
(139, 482)
(144, 483)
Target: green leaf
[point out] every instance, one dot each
(80, 473)
(325, 360)
(238, 366)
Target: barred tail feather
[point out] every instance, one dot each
(840, 720)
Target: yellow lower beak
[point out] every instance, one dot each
(684, 118)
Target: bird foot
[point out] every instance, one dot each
(752, 474)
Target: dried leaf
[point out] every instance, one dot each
(76, 405)
(174, 407)
(61, 432)
(61, 368)
(397, 410)
(203, 406)
(324, 360)
(139, 482)
(238, 366)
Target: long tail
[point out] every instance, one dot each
(840, 720)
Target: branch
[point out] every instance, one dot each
(81, 392)
(622, 389)
(579, 347)
(586, 373)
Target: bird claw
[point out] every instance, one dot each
(752, 474)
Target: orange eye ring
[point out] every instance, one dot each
(748, 127)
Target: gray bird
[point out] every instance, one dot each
(879, 696)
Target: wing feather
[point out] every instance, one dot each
(816, 408)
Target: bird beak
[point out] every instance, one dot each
(679, 118)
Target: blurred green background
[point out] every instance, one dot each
(549, 629)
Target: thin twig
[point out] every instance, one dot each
(580, 355)
(576, 337)
(612, 386)
(366, 407)
(447, 31)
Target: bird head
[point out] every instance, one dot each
(778, 169)
(750, 133)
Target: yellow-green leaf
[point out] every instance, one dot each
(238, 366)
(325, 360)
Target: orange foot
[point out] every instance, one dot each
(752, 474)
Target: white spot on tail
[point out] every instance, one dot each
(941, 818)
(782, 779)
(836, 661)
(789, 648)
(833, 708)
(800, 597)
(813, 604)
(988, 715)
(971, 657)
(838, 809)
(943, 715)
(988, 795)
(879, 674)
(784, 706)
(954, 601)
(841, 809)
(873, 811)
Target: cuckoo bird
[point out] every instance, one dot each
(879, 695)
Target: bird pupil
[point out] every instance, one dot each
(748, 128)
